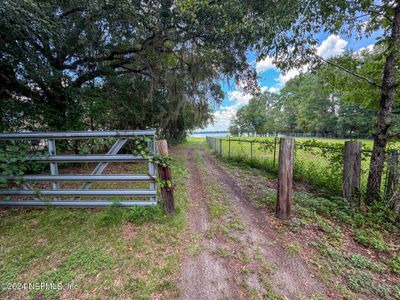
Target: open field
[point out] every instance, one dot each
(367, 143)
(317, 161)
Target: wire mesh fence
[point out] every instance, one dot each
(315, 163)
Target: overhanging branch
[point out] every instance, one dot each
(359, 76)
(394, 135)
(71, 11)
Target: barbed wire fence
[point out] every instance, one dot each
(315, 163)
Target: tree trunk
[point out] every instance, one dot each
(381, 136)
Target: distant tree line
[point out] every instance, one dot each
(324, 100)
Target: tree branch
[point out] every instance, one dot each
(111, 56)
(394, 135)
(71, 11)
(371, 82)
(129, 70)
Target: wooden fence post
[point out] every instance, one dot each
(220, 148)
(392, 176)
(162, 147)
(275, 140)
(229, 147)
(285, 178)
(165, 174)
(352, 172)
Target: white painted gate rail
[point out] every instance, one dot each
(147, 196)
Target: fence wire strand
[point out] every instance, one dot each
(315, 164)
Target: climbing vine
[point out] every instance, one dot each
(164, 162)
(15, 160)
(141, 146)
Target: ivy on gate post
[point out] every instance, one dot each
(164, 180)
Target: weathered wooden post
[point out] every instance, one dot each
(162, 147)
(220, 148)
(251, 150)
(352, 172)
(229, 147)
(275, 142)
(165, 174)
(392, 176)
(285, 178)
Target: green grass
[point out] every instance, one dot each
(335, 220)
(362, 262)
(394, 264)
(293, 248)
(371, 238)
(363, 282)
(332, 222)
(329, 219)
(367, 143)
(110, 253)
(356, 270)
(321, 168)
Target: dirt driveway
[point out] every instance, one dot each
(236, 252)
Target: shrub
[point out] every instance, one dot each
(14, 160)
(370, 238)
(394, 264)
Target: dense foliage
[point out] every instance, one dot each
(324, 100)
(116, 64)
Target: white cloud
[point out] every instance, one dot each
(368, 49)
(224, 115)
(239, 98)
(333, 46)
(273, 90)
(264, 65)
(283, 78)
(222, 118)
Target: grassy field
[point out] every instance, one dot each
(320, 165)
(113, 253)
(367, 143)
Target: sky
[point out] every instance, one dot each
(272, 79)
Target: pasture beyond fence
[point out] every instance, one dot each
(88, 152)
(317, 164)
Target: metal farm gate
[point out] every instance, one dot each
(135, 196)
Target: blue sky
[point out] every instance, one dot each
(272, 79)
